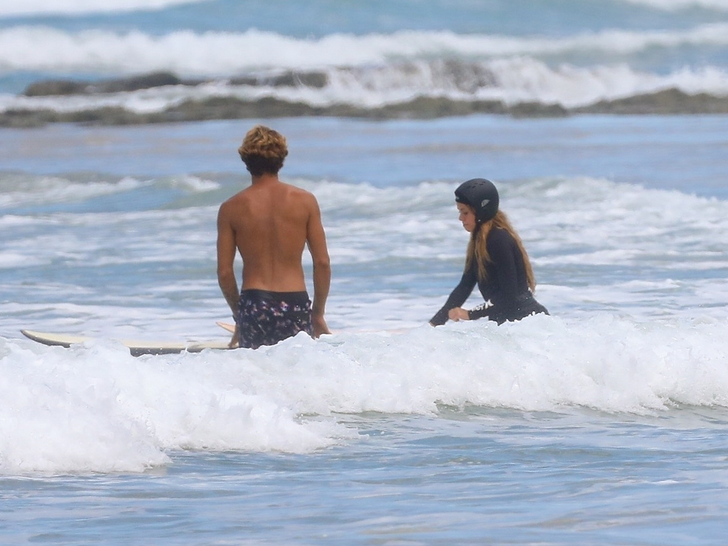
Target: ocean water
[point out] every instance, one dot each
(570, 52)
(604, 423)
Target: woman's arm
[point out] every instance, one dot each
(457, 297)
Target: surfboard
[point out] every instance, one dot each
(136, 347)
(226, 326)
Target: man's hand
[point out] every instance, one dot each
(319, 326)
(234, 340)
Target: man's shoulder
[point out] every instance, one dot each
(300, 195)
(296, 190)
(233, 199)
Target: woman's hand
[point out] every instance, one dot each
(458, 313)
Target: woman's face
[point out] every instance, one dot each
(467, 216)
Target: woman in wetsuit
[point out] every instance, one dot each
(496, 261)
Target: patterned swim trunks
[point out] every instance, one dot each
(265, 318)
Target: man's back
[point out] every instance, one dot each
(270, 222)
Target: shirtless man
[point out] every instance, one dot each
(269, 223)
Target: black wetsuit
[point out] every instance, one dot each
(265, 318)
(506, 286)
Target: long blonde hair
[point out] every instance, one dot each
(478, 249)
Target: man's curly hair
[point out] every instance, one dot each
(263, 151)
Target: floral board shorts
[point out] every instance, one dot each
(265, 318)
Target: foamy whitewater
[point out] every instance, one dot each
(604, 423)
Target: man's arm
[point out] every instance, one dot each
(226, 249)
(316, 239)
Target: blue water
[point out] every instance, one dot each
(496, 477)
(688, 150)
(604, 423)
(321, 17)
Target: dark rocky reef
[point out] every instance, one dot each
(69, 87)
(667, 102)
(218, 108)
(48, 88)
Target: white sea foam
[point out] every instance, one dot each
(17, 190)
(95, 408)
(53, 189)
(41, 48)
(13, 8)
(192, 183)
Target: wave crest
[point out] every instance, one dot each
(37, 48)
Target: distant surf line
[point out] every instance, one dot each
(28, 48)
